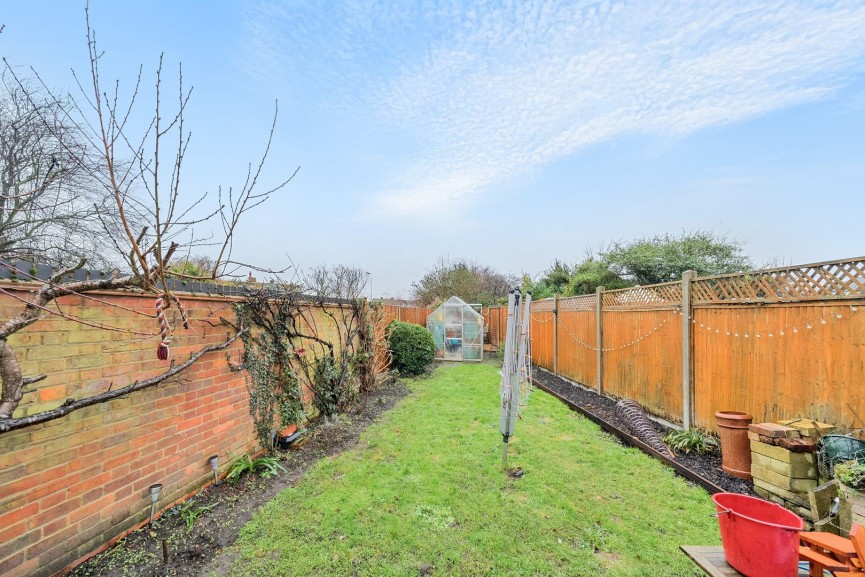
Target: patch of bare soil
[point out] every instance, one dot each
(707, 466)
(226, 508)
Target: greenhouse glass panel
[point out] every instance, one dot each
(458, 331)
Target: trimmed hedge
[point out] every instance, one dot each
(411, 347)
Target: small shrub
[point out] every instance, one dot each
(851, 473)
(411, 347)
(266, 467)
(692, 441)
(334, 390)
(190, 513)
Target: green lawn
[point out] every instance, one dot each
(424, 494)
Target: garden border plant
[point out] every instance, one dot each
(291, 360)
(411, 347)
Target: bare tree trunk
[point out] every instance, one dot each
(13, 382)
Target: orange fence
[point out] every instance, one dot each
(495, 320)
(780, 343)
(414, 315)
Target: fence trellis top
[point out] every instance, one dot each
(831, 280)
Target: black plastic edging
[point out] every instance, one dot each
(629, 439)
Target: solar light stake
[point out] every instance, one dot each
(154, 497)
(214, 464)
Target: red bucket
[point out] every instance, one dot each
(761, 539)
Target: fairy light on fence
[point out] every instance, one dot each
(787, 330)
(631, 343)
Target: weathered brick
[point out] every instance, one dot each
(55, 513)
(12, 562)
(10, 548)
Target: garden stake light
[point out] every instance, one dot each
(214, 464)
(154, 497)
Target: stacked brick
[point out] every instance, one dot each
(783, 463)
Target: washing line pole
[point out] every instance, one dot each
(508, 412)
(516, 371)
(523, 345)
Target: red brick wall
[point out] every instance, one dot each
(70, 485)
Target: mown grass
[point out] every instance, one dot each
(424, 494)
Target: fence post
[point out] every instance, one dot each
(599, 336)
(399, 313)
(687, 349)
(556, 335)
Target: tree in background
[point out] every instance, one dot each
(592, 273)
(196, 266)
(337, 281)
(643, 261)
(470, 281)
(664, 258)
(552, 281)
(52, 206)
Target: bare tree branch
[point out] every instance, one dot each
(73, 405)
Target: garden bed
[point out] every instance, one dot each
(226, 508)
(707, 466)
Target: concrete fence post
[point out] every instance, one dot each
(599, 337)
(687, 352)
(556, 335)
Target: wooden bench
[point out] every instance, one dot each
(711, 560)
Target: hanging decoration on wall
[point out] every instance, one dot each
(516, 367)
(164, 330)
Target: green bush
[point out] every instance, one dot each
(411, 347)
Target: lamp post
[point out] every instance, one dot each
(369, 283)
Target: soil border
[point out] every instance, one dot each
(704, 470)
(225, 508)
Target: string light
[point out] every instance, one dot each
(639, 339)
(772, 333)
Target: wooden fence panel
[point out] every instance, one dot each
(495, 321)
(642, 356)
(765, 360)
(541, 334)
(576, 346)
(414, 315)
(778, 343)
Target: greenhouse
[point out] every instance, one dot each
(458, 331)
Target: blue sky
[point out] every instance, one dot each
(508, 133)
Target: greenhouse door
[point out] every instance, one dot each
(454, 342)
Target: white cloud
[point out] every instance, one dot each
(489, 92)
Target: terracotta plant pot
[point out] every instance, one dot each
(735, 445)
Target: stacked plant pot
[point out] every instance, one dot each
(783, 464)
